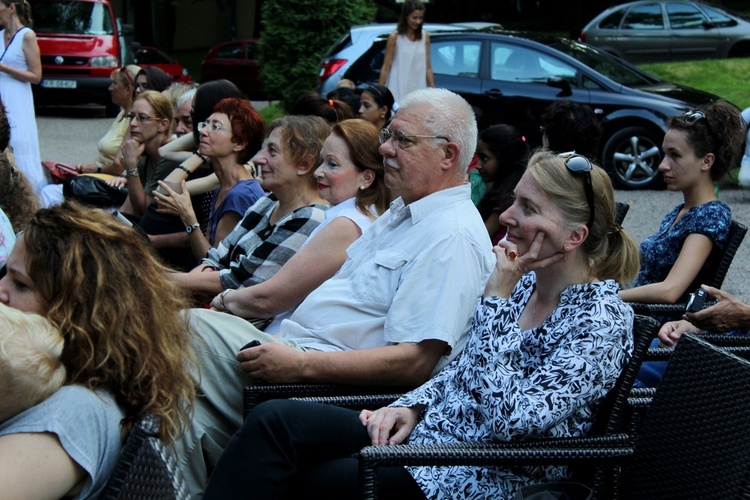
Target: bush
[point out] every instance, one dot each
(295, 35)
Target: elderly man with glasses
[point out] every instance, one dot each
(396, 312)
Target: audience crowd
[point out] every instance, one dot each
(360, 240)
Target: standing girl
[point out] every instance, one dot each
(20, 66)
(407, 65)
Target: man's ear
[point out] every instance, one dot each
(451, 151)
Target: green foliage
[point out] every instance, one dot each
(296, 34)
(271, 112)
(723, 77)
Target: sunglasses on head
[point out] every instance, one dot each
(581, 165)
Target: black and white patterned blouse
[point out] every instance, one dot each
(515, 384)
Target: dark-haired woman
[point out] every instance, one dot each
(502, 153)
(407, 64)
(699, 149)
(376, 105)
(20, 66)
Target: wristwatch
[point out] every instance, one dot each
(192, 228)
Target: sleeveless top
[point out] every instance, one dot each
(409, 67)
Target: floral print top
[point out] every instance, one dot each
(514, 384)
(660, 251)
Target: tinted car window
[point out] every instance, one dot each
(456, 58)
(252, 51)
(143, 56)
(72, 17)
(683, 16)
(718, 18)
(612, 21)
(230, 51)
(512, 63)
(644, 17)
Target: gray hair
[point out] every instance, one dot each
(448, 115)
(184, 97)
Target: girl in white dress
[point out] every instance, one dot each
(20, 66)
(407, 65)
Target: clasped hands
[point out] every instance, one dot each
(511, 265)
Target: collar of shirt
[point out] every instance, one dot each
(423, 207)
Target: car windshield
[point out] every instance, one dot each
(603, 63)
(84, 18)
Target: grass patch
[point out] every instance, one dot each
(723, 77)
(271, 112)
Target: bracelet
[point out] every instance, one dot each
(221, 298)
(99, 169)
(131, 173)
(197, 152)
(184, 169)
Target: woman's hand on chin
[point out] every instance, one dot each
(511, 265)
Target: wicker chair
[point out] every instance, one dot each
(712, 274)
(621, 210)
(694, 441)
(147, 469)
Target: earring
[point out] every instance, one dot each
(382, 115)
(361, 188)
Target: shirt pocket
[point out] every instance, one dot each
(377, 280)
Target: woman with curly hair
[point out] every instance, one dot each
(126, 350)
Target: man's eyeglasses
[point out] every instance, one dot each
(142, 118)
(403, 139)
(580, 164)
(210, 126)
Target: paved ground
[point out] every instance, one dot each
(70, 135)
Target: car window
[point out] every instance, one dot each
(148, 56)
(684, 16)
(720, 19)
(602, 63)
(644, 17)
(251, 51)
(72, 17)
(512, 63)
(612, 21)
(229, 51)
(456, 57)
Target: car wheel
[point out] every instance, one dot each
(632, 156)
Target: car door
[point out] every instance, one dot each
(643, 35)
(693, 35)
(456, 63)
(521, 81)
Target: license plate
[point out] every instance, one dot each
(59, 84)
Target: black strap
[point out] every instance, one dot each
(11, 41)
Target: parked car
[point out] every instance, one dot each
(350, 47)
(237, 62)
(649, 31)
(151, 56)
(511, 77)
(80, 42)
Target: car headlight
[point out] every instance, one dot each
(184, 72)
(105, 62)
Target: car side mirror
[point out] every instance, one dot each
(560, 83)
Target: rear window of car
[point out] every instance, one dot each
(644, 17)
(683, 16)
(86, 18)
(612, 21)
(337, 47)
(720, 19)
(230, 51)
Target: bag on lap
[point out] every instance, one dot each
(93, 191)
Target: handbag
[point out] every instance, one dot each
(93, 191)
(58, 172)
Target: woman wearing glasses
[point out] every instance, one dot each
(139, 155)
(548, 340)
(229, 138)
(699, 149)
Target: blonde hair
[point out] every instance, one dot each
(30, 365)
(119, 314)
(611, 251)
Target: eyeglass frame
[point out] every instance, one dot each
(588, 185)
(385, 135)
(211, 126)
(130, 116)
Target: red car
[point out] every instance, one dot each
(151, 56)
(235, 61)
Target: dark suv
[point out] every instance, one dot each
(511, 77)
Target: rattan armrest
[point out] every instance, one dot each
(354, 402)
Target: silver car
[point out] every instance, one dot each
(648, 31)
